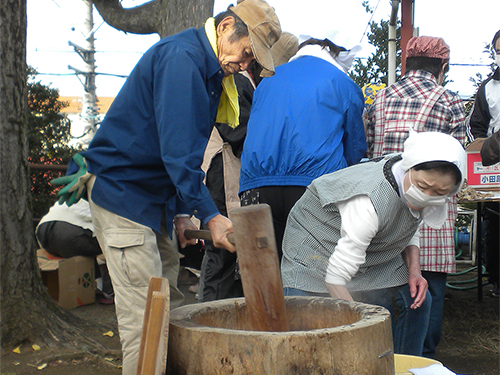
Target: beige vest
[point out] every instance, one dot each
(231, 166)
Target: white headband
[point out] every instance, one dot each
(344, 59)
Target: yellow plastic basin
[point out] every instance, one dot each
(403, 363)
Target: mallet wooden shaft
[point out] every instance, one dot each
(191, 234)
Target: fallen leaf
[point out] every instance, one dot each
(109, 333)
(39, 367)
(109, 359)
(35, 347)
(17, 350)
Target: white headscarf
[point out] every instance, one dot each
(433, 146)
(343, 61)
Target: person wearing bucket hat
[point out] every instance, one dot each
(143, 171)
(419, 101)
(263, 30)
(305, 121)
(353, 234)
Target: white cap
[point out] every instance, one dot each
(434, 146)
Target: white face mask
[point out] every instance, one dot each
(497, 59)
(417, 198)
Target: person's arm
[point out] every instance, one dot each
(490, 150)
(458, 124)
(339, 292)
(359, 226)
(480, 117)
(354, 139)
(418, 285)
(184, 122)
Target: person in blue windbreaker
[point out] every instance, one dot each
(305, 121)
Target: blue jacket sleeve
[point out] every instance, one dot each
(184, 126)
(354, 139)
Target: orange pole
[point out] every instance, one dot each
(406, 29)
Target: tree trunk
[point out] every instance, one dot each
(164, 17)
(28, 314)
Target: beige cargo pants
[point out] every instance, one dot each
(134, 253)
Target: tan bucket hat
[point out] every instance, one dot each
(263, 30)
(286, 47)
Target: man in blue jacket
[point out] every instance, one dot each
(144, 161)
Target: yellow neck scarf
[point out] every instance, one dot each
(228, 111)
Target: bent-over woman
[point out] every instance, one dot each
(353, 234)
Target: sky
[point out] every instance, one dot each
(466, 26)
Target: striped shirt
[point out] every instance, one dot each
(386, 130)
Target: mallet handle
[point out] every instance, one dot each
(203, 235)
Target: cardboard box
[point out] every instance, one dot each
(478, 176)
(70, 281)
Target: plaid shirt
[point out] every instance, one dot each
(386, 130)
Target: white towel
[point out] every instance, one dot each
(435, 369)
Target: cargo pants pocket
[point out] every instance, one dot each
(135, 258)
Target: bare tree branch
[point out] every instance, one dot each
(164, 17)
(143, 19)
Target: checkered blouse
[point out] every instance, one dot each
(386, 131)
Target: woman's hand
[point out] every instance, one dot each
(418, 289)
(418, 285)
(339, 291)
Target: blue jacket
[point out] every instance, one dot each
(149, 148)
(305, 121)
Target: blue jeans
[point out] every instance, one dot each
(437, 287)
(409, 326)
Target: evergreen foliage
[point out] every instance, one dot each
(48, 139)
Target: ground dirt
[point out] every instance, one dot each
(470, 343)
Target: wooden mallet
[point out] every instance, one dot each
(259, 266)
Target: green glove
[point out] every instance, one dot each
(75, 183)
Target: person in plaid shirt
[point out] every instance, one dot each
(419, 101)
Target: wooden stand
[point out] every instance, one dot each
(154, 338)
